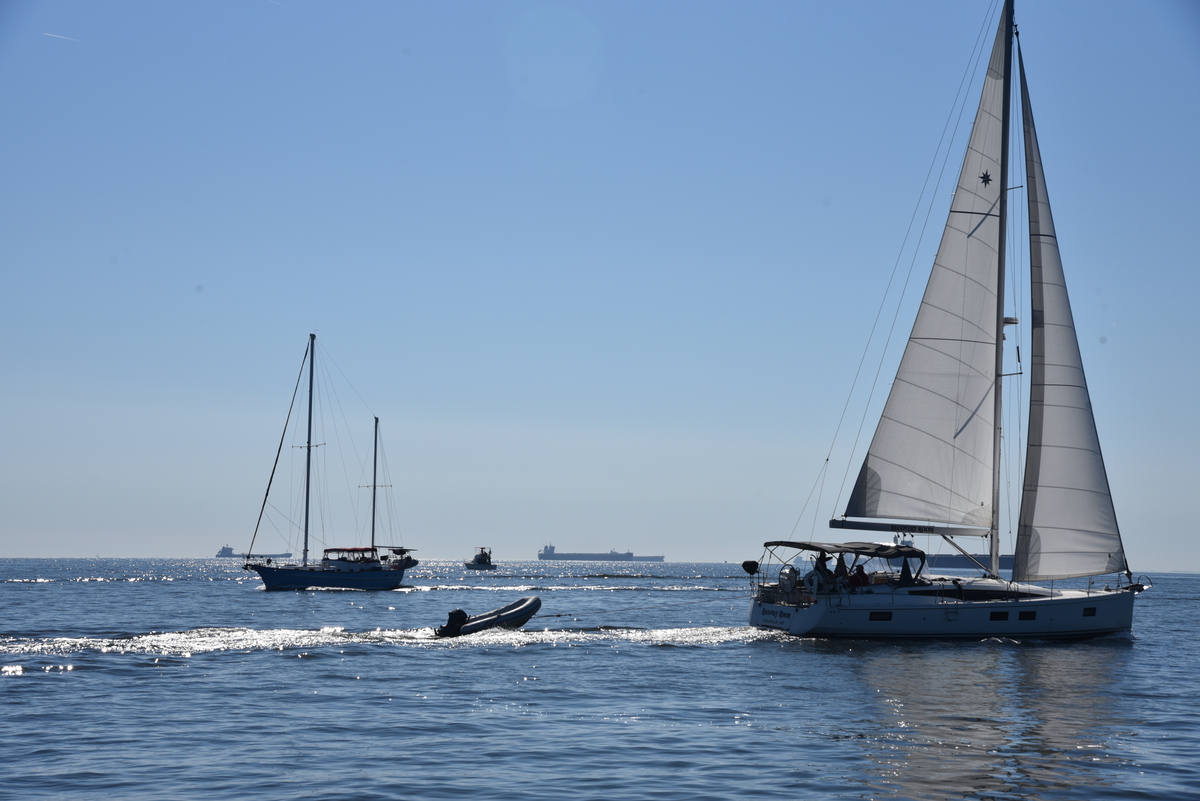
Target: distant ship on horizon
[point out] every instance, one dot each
(227, 553)
(612, 556)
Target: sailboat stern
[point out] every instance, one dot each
(795, 619)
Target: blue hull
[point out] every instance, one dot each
(299, 578)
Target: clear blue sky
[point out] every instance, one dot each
(604, 270)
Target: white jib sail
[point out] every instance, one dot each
(1068, 526)
(932, 455)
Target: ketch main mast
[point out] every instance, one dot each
(312, 354)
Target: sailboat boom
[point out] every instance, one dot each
(909, 528)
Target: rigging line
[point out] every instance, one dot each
(325, 354)
(818, 480)
(394, 531)
(389, 497)
(813, 528)
(324, 501)
(960, 101)
(285, 516)
(383, 481)
(336, 403)
(643, 608)
(336, 409)
(282, 436)
(286, 539)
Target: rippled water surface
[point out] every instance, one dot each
(182, 679)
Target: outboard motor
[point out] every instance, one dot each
(457, 618)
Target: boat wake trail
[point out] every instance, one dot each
(242, 640)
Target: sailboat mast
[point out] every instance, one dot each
(374, 480)
(994, 528)
(312, 354)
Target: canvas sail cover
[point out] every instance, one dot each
(932, 454)
(1068, 526)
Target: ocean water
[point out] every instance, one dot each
(183, 679)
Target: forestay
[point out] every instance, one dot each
(933, 452)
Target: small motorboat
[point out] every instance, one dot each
(481, 561)
(513, 616)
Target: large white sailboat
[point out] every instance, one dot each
(359, 567)
(933, 466)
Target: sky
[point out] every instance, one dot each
(605, 271)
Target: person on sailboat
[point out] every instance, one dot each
(820, 577)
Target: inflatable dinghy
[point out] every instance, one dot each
(513, 616)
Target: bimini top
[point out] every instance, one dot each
(868, 549)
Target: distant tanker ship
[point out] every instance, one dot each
(612, 556)
(227, 553)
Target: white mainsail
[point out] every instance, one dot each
(1068, 526)
(932, 455)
